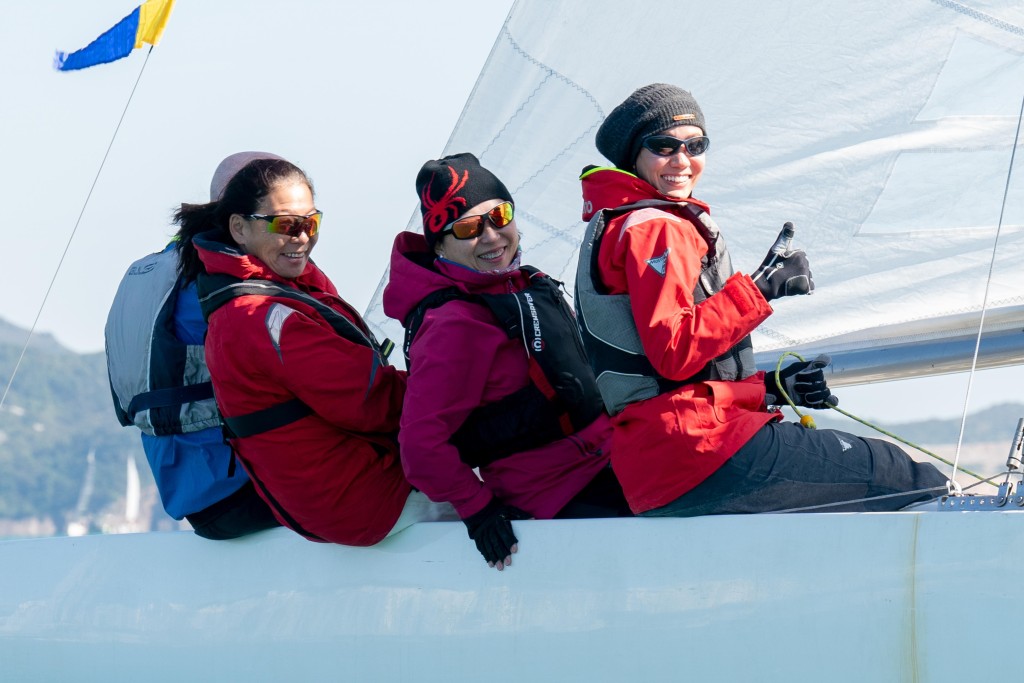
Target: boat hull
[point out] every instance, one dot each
(839, 597)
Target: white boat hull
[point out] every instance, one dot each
(912, 596)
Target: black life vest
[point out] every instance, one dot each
(217, 290)
(562, 397)
(624, 373)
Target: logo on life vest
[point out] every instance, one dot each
(659, 264)
(538, 338)
(141, 270)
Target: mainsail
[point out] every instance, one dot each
(884, 131)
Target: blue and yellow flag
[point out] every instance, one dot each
(144, 25)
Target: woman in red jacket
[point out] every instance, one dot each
(517, 399)
(302, 385)
(665, 315)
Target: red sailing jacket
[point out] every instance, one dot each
(336, 472)
(665, 446)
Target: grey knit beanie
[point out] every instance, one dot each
(648, 111)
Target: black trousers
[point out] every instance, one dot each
(602, 497)
(786, 466)
(241, 513)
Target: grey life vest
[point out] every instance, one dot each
(158, 383)
(624, 374)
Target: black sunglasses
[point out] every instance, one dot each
(666, 145)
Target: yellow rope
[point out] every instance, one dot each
(808, 421)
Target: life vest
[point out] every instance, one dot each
(217, 290)
(562, 396)
(624, 373)
(158, 383)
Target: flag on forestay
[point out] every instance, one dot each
(144, 25)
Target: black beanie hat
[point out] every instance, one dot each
(649, 110)
(450, 185)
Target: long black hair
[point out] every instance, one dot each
(242, 195)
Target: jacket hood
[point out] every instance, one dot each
(609, 188)
(221, 257)
(416, 272)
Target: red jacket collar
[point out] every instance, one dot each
(610, 188)
(220, 257)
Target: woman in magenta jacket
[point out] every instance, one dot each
(473, 400)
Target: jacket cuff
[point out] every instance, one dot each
(478, 502)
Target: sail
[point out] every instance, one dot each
(132, 492)
(884, 131)
(78, 522)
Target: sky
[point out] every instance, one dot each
(358, 94)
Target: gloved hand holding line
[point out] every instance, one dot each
(804, 382)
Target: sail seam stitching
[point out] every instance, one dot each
(980, 16)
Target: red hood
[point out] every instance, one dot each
(416, 273)
(220, 257)
(610, 188)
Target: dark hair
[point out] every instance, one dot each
(242, 195)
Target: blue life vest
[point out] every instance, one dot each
(160, 384)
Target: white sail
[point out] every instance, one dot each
(132, 493)
(884, 131)
(78, 524)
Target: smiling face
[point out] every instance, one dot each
(676, 175)
(493, 249)
(286, 256)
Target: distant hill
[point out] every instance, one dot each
(994, 424)
(58, 408)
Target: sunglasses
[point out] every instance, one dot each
(291, 225)
(468, 227)
(666, 145)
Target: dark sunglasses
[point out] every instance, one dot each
(468, 227)
(291, 225)
(666, 145)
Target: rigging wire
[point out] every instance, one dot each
(953, 487)
(988, 284)
(74, 230)
(824, 506)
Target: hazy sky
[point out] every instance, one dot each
(358, 94)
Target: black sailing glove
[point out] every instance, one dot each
(804, 382)
(491, 529)
(784, 274)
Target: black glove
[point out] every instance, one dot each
(491, 529)
(804, 382)
(784, 274)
